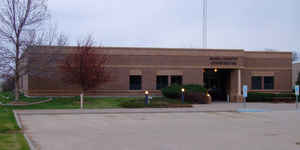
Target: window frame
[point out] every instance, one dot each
(273, 82)
(135, 86)
(260, 83)
(175, 80)
(161, 86)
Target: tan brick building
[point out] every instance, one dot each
(134, 70)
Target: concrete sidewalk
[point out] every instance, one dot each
(215, 107)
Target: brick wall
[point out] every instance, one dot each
(150, 62)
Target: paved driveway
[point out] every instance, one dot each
(279, 130)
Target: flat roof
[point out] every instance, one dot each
(176, 49)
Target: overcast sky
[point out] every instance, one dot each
(239, 24)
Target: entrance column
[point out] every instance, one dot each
(239, 93)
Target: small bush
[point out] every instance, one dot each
(194, 88)
(173, 91)
(197, 97)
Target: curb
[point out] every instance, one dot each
(132, 111)
(30, 144)
(120, 112)
(29, 104)
(252, 110)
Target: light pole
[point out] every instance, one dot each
(146, 97)
(297, 94)
(182, 95)
(216, 70)
(204, 25)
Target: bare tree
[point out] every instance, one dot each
(295, 56)
(21, 26)
(85, 67)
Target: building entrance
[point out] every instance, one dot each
(217, 81)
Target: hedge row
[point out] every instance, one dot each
(267, 97)
(174, 91)
(195, 94)
(140, 103)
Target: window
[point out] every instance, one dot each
(161, 82)
(256, 83)
(269, 83)
(135, 82)
(176, 80)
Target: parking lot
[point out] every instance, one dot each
(276, 130)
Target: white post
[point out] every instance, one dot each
(81, 101)
(239, 83)
(228, 98)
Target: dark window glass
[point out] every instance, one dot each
(256, 83)
(176, 80)
(269, 83)
(135, 82)
(161, 82)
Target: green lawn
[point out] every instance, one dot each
(91, 103)
(13, 141)
(6, 97)
(74, 103)
(11, 137)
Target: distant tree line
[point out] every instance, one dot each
(295, 54)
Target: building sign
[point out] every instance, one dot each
(245, 91)
(297, 90)
(223, 60)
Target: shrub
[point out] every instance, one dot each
(197, 97)
(174, 91)
(195, 88)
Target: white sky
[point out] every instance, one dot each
(239, 24)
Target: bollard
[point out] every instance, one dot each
(228, 99)
(81, 101)
(297, 103)
(297, 94)
(245, 104)
(182, 95)
(245, 95)
(146, 97)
